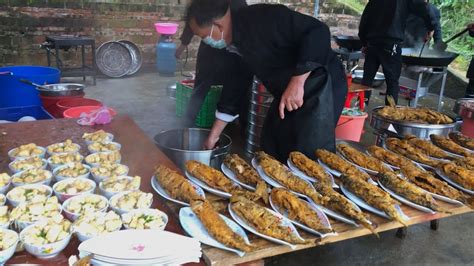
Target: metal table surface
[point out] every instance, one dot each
(138, 151)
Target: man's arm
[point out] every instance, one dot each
(420, 9)
(437, 35)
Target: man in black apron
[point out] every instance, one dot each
(291, 54)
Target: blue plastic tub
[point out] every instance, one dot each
(14, 113)
(14, 93)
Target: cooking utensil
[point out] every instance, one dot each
(351, 43)
(422, 48)
(430, 57)
(354, 68)
(441, 46)
(31, 83)
(61, 89)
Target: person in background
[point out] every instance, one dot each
(470, 70)
(416, 30)
(213, 67)
(382, 30)
(291, 54)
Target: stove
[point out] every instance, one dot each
(350, 58)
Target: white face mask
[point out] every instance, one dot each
(218, 44)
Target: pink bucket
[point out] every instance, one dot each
(350, 127)
(468, 127)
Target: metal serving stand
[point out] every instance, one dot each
(426, 77)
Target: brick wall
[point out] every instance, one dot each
(25, 23)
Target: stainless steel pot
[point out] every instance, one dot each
(61, 89)
(182, 145)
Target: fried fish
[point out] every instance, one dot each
(460, 175)
(462, 140)
(417, 115)
(217, 227)
(404, 148)
(427, 147)
(310, 167)
(361, 158)
(449, 145)
(337, 163)
(466, 162)
(175, 184)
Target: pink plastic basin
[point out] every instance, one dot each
(166, 28)
(76, 112)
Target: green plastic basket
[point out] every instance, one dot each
(207, 113)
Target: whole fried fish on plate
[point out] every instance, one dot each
(451, 146)
(408, 190)
(462, 140)
(428, 148)
(264, 221)
(217, 227)
(337, 163)
(404, 148)
(310, 168)
(391, 158)
(361, 159)
(298, 210)
(458, 174)
(466, 162)
(175, 184)
(374, 196)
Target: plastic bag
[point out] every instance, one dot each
(101, 116)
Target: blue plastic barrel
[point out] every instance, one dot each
(14, 93)
(165, 60)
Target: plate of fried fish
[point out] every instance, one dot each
(239, 171)
(450, 146)
(408, 193)
(264, 222)
(300, 212)
(462, 140)
(202, 222)
(174, 187)
(310, 170)
(457, 176)
(354, 153)
(404, 148)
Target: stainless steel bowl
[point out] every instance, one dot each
(61, 89)
(403, 128)
(379, 79)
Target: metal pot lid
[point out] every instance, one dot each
(136, 56)
(114, 59)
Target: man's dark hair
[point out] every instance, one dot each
(205, 11)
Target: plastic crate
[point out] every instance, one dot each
(207, 113)
(14, 113)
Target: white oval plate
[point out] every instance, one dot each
(324, 219)
(369, 208)
(283, 221)
(300, 173)
(234, 178)
(406, 201)
(336, 215)
(194, 227)
(454, 184)
(208, 188)
(162, 192)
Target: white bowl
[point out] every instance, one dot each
(12, 158)
(109, 194)
(45, 251)
(110, 142)
(20, 225)
(99, 178)
(115, 197)
(3, 199)
(109, 138)
(8, 253)
(15, 203)
(63, 196)
(60, 178)
(54, 166)
(4, 189)
(14, 171)
(73, 216)
(98, 164)
(78, 148)
(83, 237)
(46, 181)
(163, 216)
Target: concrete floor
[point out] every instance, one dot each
(144, 98)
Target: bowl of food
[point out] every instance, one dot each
(84, 204)
(71, 187)
(95, 224)
(63, 147)
(8, 242)
(47, 238)
(19, 165)
(104, 147)
(106, 170)
(28, 193)
(3, 199)
(114, 185)
(99, 158)
(26, 151)
(5, 181)
(60, 159)
(98, 136)
(72, 170)
(28, 213)
(5, 219)
(32, 176)
(145, 219)
(127, 201)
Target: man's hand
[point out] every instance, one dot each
(210, 143)
(428, 36)
(292, 98)
(179, 51)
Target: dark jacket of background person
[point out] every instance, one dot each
(416, 29)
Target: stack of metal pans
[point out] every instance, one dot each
(260, 102)
(118, 58)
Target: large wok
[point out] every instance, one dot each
(351, 43)
(429, 57)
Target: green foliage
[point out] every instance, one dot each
(355, 5)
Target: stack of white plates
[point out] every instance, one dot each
(141, 247)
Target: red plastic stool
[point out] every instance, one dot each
(350, 95)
